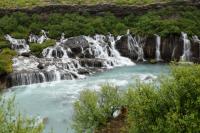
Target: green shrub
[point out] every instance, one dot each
(10, 122)
(171, 106)
(6, 60)
(162, 22)
(4, 44)
(36, 49)
(93, 109)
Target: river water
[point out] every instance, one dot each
(54, 100)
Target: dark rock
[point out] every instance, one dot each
(122, 47)
(26, 54)
(41, 66)
(195, 48)
(3, 81)
(150, 48)
(171, 48)
(92, 62)
(83, 71)
(76, 44)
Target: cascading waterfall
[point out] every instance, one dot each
(100, 49)
(56, 51)
(56, 63)
(38, 39)
(186, 48)
(158, 41)
(19, 45)
(135, 46)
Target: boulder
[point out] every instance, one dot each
(40, 66)
(76, 44)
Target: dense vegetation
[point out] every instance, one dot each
(162, 22)
(172, 108)
(6, 56)
(10, 122)
(30, 3)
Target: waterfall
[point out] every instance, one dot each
(18, 45)
(62, 62)
(158, 41)
(135, 46)
(56, 51)
(38, 39)
(100, 49)
(186, 48)
(63, 39)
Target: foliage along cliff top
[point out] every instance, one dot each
(32, 3)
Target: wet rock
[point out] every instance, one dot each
(122, 47)
(92, 62)
(195, 48)
(41, 66)
(26, 54)
(3, 81)
(76, 44)
(171, 48)
(150, 48)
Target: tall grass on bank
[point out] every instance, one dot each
(173, 107)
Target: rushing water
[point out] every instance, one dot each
(55, 100)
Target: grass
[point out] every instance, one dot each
(31, 3)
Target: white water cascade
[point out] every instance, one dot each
(38, 39)
(101, 50)
(135, 45)
(186, 48)
(18, 45)
(158, 42)
(64, 61)
(56, 51)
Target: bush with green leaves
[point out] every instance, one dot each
(94, 109)
(36, 49)
(6, 56)
(171, 106)
(11, 122)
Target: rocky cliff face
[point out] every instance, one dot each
(171, 48)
